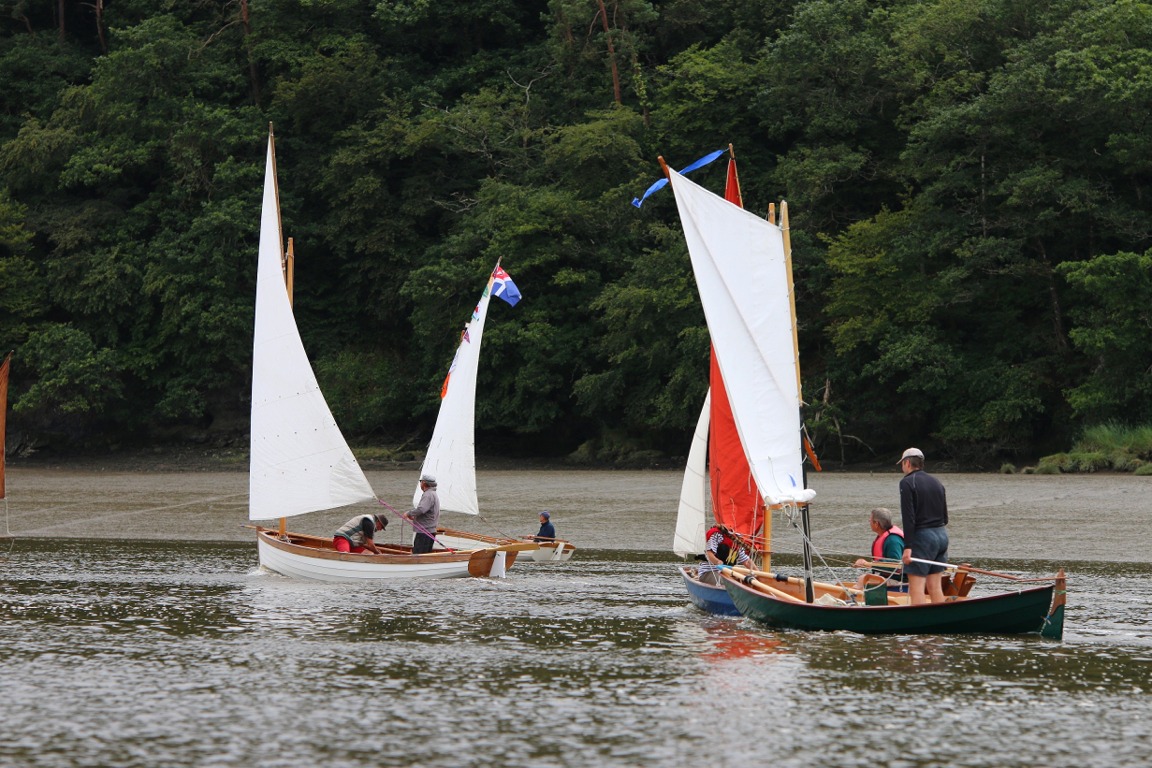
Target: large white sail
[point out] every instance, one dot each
(300, 461)
(691, 516)
(741, 274)
(451, 456)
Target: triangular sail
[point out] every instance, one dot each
(690, 518)
(300, 461)
(739, 263)
(451, 456)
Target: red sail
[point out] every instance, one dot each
(736, 500)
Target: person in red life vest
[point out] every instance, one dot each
(721, 548)
(887, 546)
(357, 534)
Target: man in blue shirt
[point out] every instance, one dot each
(547, 531)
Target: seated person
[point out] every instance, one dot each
(547, 531)
(721, 548)
(357, 534)
(887, 546)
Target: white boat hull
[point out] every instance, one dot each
(551, 552)
(313, 558)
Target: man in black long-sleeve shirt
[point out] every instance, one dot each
(924, 513)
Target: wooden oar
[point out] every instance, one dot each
(795, 580)
(969, 568)
(779, 594)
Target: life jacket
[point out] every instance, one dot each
(353, 530)
(878, 543)
(726, 551)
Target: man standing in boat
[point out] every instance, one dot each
(924, 513)
(425, 516)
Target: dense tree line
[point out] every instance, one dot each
(967, 180)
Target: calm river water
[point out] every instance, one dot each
(137, 630)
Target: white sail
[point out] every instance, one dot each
(741, 274)
(300, 461)
(451, 456)
(691, 516)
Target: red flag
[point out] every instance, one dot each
(732, 187)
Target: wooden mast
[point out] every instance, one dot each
(809, 594)
(288, 261)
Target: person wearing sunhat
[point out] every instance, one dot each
(358, 534)
(425, 516)
(547, 531)
(924, 514)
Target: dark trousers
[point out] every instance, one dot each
(422, 544)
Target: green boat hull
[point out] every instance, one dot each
(1008, 613)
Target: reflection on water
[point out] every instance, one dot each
(184, 654)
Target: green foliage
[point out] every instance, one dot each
(968, 187)
(75, 383)
(1113, 317)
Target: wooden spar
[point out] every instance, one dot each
(275, 184)
(288, 262)
(791, 295)
(664, 166)
(771, 590)
(290, 269)
(797, 581)
(785, 230)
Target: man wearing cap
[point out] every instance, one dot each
(547, 531)
(425, 516)
(357, 534)
(924, 513)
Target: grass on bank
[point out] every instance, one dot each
(1102, 448)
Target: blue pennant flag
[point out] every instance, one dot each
(638, 201)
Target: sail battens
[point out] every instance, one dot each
(741, 273)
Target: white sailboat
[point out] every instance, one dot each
(451, 454)
(300, 461)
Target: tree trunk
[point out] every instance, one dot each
(254, 80)
(611, 53)
(98, 6)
